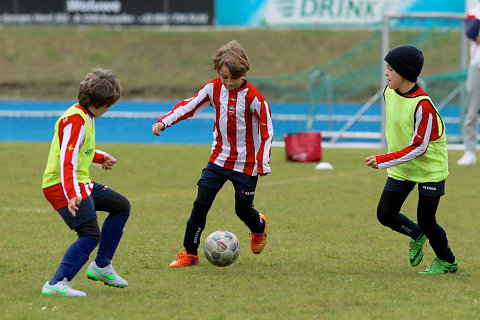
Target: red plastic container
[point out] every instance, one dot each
(303, 146)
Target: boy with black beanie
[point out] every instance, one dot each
(417, 154)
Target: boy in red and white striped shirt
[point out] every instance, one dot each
(242, 138)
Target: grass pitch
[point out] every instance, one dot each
(327, 257)
(48, 62)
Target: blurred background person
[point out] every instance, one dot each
(470, 125)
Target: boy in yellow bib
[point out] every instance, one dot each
(417, 154)
(69, 189)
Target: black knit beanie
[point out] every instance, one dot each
(407, 61)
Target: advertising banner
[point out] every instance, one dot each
(327, 13)
(108, 12)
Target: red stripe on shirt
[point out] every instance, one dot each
(263, 128)
(232, 129)
(188, 114)
(71, 126)
(218, 140)
(250, 144)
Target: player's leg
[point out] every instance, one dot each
(118, 208)
(249, 215)
(198, 218)
(86, 225)
(210, 182)
(429, 198)
(388, 210)
(388, 213)
(245, 186)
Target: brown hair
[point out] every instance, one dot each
(234, 57)
(99, 88)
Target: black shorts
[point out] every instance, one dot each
(214, 176)
(429, 189)
(86, 210)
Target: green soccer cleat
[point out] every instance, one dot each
(416, 250)
(440, 267)
(107, 275)
(61, 288)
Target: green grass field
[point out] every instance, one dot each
(327, 257)
(46, 62)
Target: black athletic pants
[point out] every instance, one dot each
(388, 213)
(211, 181)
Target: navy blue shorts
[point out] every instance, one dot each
(214, 176)
(428, 189)
(86, 210)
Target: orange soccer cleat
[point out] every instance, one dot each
(184, 259)
(259, 240)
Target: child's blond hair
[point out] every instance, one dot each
(234, 57)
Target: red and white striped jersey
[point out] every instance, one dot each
(425, 130)
(243, 129)
(71, 136)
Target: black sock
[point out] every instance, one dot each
(191, 241)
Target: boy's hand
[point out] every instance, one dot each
(108, 162)
(263, 174)
(371, 162)
(157, 127)
(73, 205)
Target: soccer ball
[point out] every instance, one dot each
(221, 248)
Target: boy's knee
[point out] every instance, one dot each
(116, 203)
(245, 211)
(201, 204)
(426, 224)
(89, 229)
(204, 198)
(124, 206)
(243, 205)
(383, 217)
